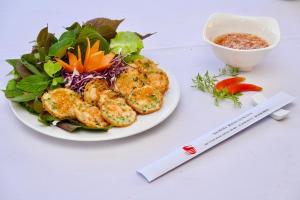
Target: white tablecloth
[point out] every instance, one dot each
(263, 162)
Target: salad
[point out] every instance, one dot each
(91, 77)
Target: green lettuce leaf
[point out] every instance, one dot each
(126, 43)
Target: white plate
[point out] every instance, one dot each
(143, 122)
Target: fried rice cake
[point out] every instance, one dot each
(117, 112)
(89, 115)
(145, 100)
(60, 102)
(129, 80)
(93, 90)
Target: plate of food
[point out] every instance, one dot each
(90, 84)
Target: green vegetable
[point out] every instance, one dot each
(13, 62)
(28, 105)
(37, 106)
(144, 36)
(67, 124)
(33, 83)
(59, 48)
(11, 84)
(31, 58)
(73, 125)
(29, 88)
(12, 90)
(21, 71)
(67, 35)
(74, 27)
(126, 43)
(66, 40)
(206, 83)
(108, 27)
(26, 97)
(45, 39)
(105, 27)
(132, 57)
(56, 82)
(32, 68)
(51, 68)
(228, 70)
(42, 54)
(34, 106)
(90, 32)
(46, 118)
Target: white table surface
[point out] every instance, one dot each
(263, 162)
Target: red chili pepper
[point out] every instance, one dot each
(189, 149)
(242, 87)
(229, 81)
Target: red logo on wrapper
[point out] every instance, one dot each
(189, 149)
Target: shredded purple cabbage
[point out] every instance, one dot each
(77, 82)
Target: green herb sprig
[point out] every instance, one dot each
(228, 70)
(207, 82)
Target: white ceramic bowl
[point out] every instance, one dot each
(221, 23)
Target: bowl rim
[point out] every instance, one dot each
(240, 16)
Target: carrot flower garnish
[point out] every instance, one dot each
(94, 60)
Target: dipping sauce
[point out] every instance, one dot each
(242, 41)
